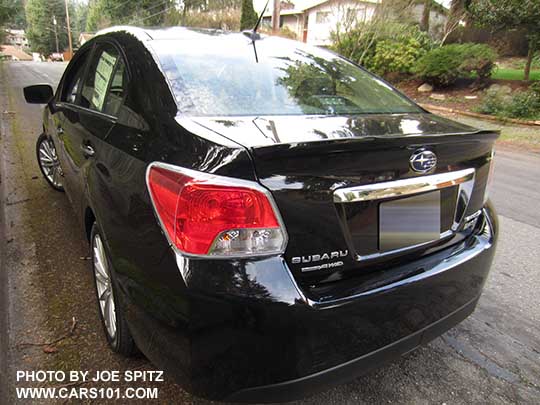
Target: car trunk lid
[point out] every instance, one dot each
(305, 161)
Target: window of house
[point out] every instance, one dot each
(322, 17)
(355, 14)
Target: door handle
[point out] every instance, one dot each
(88, 151)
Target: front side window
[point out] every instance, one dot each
(222, 78)
(100, 74)
(73, 79)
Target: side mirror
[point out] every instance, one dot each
(38, 93)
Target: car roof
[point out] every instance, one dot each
(199, 37)
(169, 33)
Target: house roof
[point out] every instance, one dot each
(435, 6)
(10, 50)
(15, 32)
(86, 36)
(292, 11)
(315, 3)
(306, 5)
(301, 8)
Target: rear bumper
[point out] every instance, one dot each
(244, 331)
(296, 389)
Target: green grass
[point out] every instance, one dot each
(514, 74)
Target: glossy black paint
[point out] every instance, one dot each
(222, 327)
(38, 93)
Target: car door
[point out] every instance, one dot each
(65, 118)
(89, 122)
(116, 188)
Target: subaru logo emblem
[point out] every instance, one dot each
(423, 161)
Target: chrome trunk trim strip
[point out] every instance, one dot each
(405, 187)
(463, 179)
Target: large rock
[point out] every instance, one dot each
(437, 96)
(425, 88)
(500, 89)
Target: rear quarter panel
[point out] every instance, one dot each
(150, 283)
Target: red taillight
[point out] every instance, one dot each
(203, 215)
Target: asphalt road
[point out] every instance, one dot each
(492, 357)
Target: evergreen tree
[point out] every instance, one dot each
(40, 17)
(105, 13)
(249, 17)
(11, 16)
(95, 19)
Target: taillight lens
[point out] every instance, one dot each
(204, 214)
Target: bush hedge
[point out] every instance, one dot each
(393, 48)
(394, 56)
(522, 104)
(443, 66)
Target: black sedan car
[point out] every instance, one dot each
(266, 218)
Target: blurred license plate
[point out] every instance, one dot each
(409, 221)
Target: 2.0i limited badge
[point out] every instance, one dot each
(321, 257)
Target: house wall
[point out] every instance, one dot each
(16, 38)
(293, 23)
(324, 18)
(437, 20)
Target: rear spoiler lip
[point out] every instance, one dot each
(340, 144)
(199, 128)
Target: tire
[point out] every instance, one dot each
(48, 162)
(111, 314)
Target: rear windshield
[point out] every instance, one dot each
(222, 77)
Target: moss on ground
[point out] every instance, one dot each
(56, 299)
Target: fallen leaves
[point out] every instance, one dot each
(50, 349)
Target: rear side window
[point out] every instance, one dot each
(73, 79)
(116, 92)
(100, 74)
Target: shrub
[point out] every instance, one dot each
(478, 59)
(444, 65)
(523, 104)
(358, 44)
(494, 103)
(439, 66)
(226, 19)
(536, 61)
(286, 32)
(383, 49)
(535, 87)
(393, 56)
(249, 17)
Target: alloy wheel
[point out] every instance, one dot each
(104, 286)
(50, 165)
